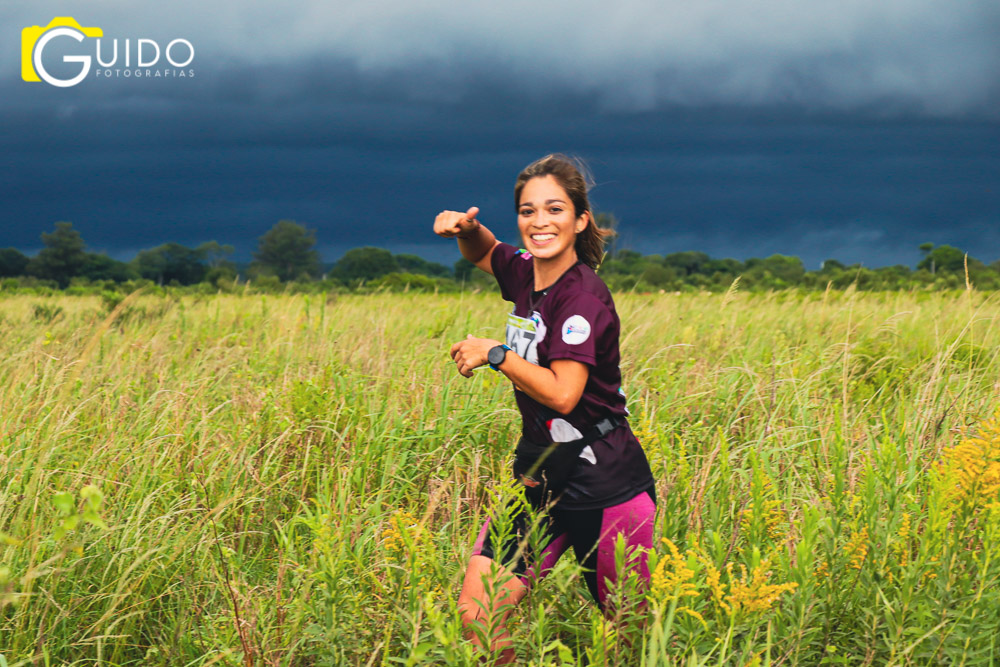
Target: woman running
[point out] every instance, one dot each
(577, 459)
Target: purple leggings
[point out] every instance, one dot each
(591, 533)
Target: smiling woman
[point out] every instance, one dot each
(581, 469)
(543, 177)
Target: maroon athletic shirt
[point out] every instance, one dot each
(574, 319)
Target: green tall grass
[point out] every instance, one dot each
(297, 480)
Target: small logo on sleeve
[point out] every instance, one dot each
(575, 330)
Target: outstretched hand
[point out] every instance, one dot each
(472, 353)
(455, 223)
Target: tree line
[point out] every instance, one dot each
(286, 254)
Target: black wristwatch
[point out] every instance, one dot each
(496, 356)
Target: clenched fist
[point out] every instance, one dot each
(472, 353)
(455, 223)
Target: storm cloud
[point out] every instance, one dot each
(856, 130)
(930, 57)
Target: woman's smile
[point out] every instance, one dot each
(547, 221)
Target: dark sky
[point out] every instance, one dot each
(739, 129)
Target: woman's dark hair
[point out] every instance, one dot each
(573, 176)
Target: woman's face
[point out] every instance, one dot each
(546, 219)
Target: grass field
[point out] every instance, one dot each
(293, 480)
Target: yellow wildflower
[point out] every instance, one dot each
(767, 509)
(403, 528)
(930, 574)
(901, 547)
(694, 614)
(712, 576)
(323, 535)
(752, 592)
(970, 471)
(672, 578)
(904, 527)
(854, 501)
(773, 516)
(646, 433)
(857, 548)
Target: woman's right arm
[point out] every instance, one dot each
(475, 242)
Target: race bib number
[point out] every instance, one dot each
(524, 334)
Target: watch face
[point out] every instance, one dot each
(497, 355)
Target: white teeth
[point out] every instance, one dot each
(542, 237)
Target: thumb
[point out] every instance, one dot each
(469, 336)
(471, 214)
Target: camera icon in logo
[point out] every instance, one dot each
(33, 41)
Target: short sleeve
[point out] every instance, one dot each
(585, 325)
(513, 269)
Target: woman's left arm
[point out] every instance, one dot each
(559, 387)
